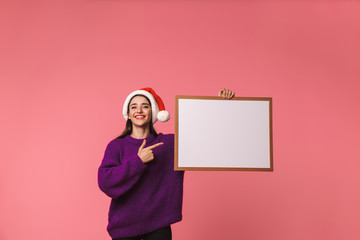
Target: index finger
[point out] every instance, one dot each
(155, 145)
(221, 92)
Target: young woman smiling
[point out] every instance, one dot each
(137, 173)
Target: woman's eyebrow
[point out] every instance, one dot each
(141, 104)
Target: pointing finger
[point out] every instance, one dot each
(155, 145)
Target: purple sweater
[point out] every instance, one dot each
(145, 197)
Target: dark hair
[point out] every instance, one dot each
(128, 127)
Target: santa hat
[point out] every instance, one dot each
(157, 105)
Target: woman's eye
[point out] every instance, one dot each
(146, 106)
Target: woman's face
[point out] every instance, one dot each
(139, 111)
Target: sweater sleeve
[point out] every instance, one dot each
(115, 176)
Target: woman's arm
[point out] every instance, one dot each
(116, 177)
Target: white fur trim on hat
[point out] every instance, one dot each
(163, 116)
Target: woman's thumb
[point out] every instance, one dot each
(143, 144)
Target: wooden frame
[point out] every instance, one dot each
(217, 134)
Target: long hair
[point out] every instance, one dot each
(128, 127)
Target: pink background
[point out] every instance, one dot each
(67, 66)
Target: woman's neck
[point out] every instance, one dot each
(139, 132)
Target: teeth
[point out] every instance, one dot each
(139, 117)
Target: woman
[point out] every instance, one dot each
(137, 172)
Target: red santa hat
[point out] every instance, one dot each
(157, 105)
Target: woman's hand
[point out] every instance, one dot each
(226, 93)
(146, 154)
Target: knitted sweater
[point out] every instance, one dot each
(145, 197)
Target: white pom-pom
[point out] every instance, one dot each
(163, 116)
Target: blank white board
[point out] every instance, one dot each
(213, 133)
